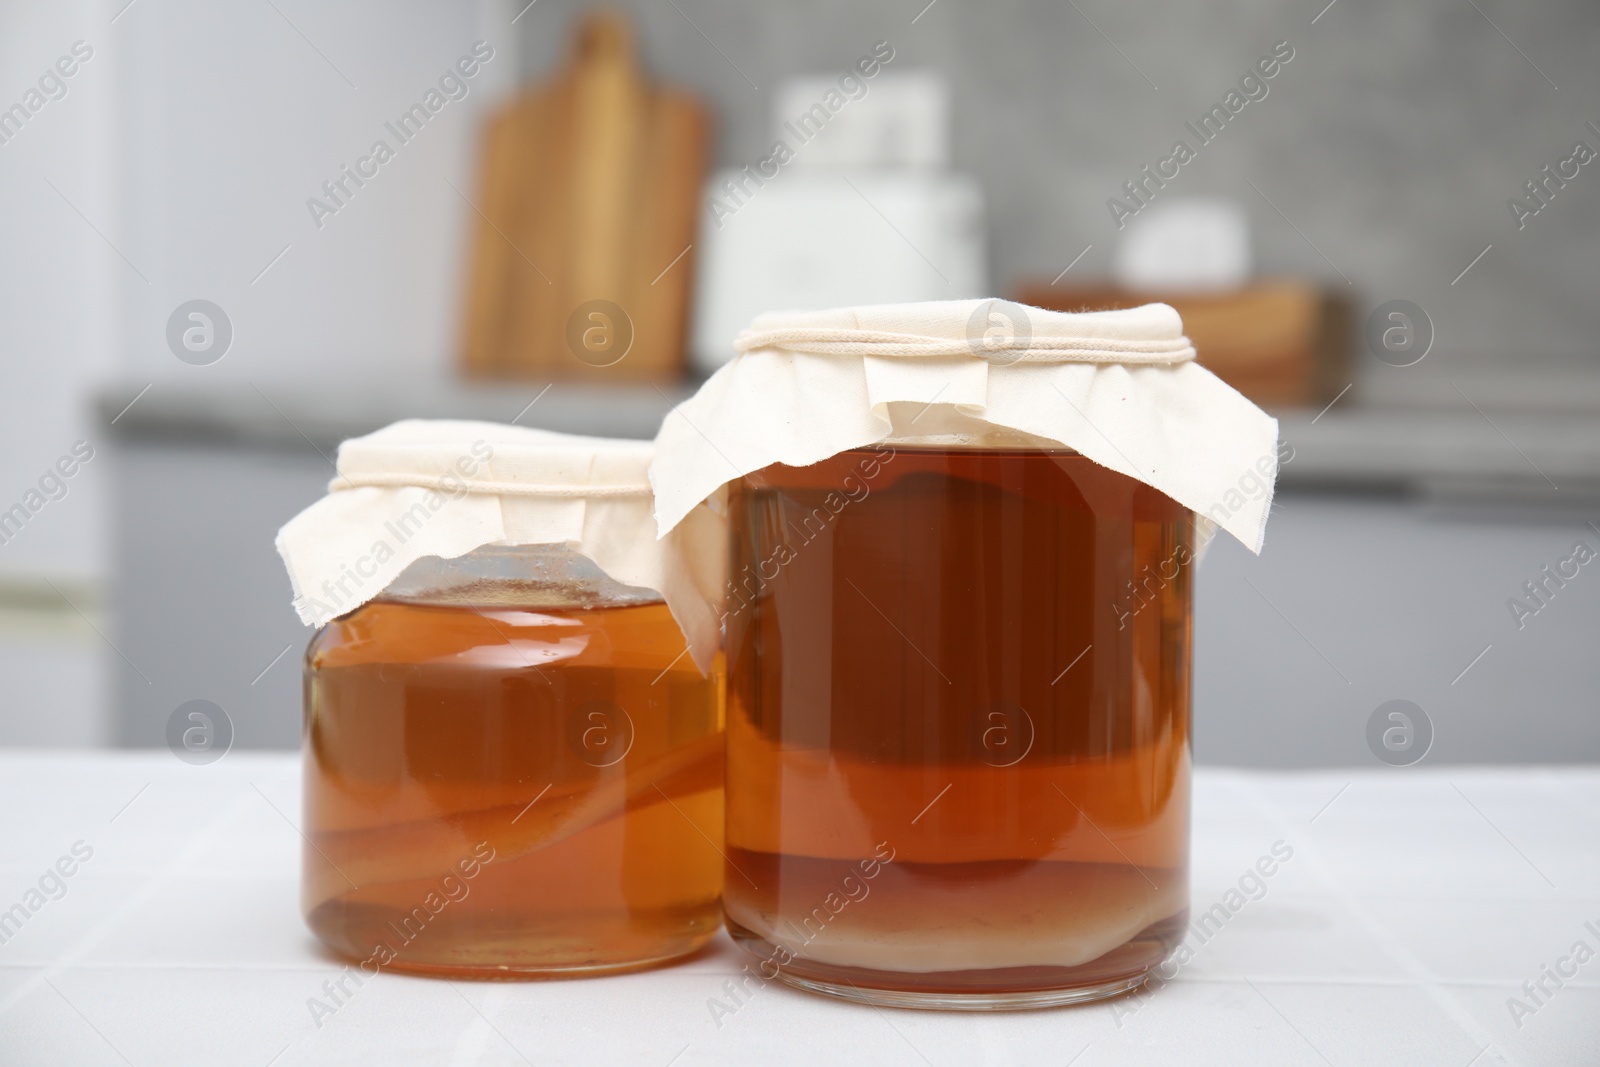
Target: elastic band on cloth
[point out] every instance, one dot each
(1033, 350)
(455, 485)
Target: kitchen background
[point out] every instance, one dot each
(1383, 161)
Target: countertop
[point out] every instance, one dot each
(1415, 904)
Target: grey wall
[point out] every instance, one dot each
(1392, 140)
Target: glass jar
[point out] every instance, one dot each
(958, 725)
(511, 768)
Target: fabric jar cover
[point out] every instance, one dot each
(1119, 387)
(423, 488)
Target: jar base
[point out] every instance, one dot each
(488, 972)
(1024, 1001)
(466, 941)
(1118, 972)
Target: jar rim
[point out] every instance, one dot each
(525, 576)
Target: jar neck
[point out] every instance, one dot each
(522, 576)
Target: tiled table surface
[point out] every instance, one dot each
(1415, 906)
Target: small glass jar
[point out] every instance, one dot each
(511, 768)
(958, 725)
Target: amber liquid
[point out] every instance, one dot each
(967, 673)
(510, 790)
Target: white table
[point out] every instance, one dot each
(1417, 901)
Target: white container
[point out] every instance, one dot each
(808, 241)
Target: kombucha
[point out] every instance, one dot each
(501, 787)
(958, 726)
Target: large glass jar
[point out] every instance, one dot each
(958, 725)
(511, 767)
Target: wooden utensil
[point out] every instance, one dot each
(587, 207)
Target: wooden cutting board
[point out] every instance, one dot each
(582, 260)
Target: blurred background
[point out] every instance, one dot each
(1381, 224)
